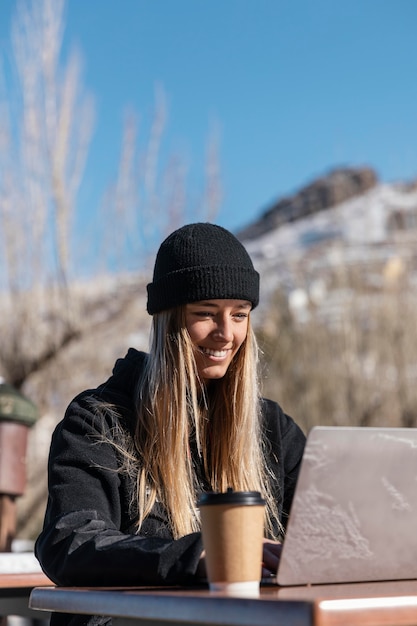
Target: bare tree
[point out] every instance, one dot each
(47, 118)
(44, 138)
(150, 196)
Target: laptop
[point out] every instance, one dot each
(354, 512)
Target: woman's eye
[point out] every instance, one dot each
(239, 316)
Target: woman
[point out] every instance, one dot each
(130, 458)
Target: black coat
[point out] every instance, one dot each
(89, 535)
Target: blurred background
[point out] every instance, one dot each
(293, 124)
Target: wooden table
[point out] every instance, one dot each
(15, 590)
(358, 604)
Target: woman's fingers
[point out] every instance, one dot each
(270, 557)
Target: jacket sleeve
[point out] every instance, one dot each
(87, 538)
(285, 441)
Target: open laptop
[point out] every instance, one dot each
(354, 513)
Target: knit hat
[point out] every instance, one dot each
(201, 262)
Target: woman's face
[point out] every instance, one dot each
(217, 329)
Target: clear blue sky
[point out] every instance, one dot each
(296, 87)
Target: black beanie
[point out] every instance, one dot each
(201, 262)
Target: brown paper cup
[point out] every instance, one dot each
(232, 537)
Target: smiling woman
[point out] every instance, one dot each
(167, 426)
(217, 329)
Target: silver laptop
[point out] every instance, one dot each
(354, 513)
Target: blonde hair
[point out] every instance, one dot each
(173, 407)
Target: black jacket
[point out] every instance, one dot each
(89, 535)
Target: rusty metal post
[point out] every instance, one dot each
(17, 415)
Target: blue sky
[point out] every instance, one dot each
(295, 87)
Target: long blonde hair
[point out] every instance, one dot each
(173, 407)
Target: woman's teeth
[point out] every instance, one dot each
(215, 353)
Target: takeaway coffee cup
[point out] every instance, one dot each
(232, 526)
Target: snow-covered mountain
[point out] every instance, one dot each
(375, 231)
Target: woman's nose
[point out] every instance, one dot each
(223, 329)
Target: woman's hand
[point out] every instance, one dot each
(270, 557)
(201, 573)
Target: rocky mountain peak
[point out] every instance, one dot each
(337, 186)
